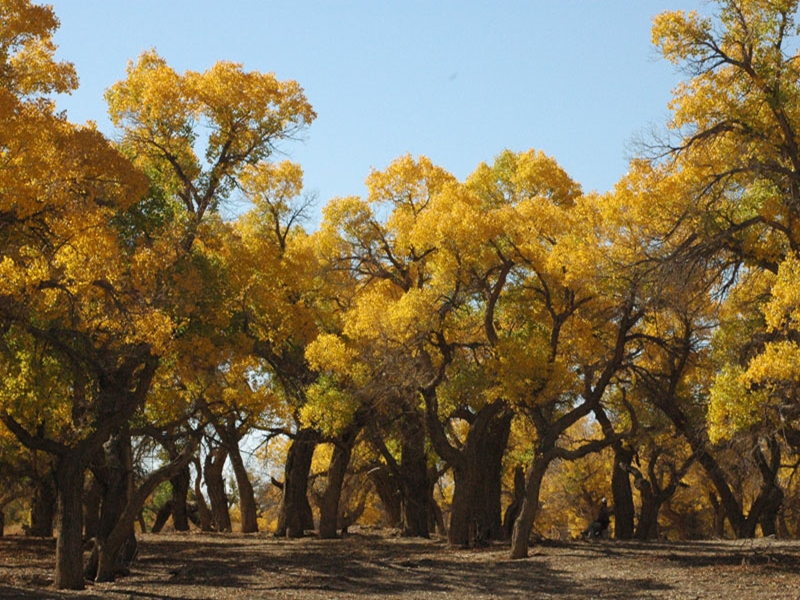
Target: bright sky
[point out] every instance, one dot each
(455, 80)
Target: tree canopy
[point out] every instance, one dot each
(485, 358)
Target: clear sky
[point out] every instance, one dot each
(455, 80)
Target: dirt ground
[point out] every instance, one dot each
(376, 565)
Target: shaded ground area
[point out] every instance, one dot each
(373, 565)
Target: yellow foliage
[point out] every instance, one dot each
(27, 51)
(733, 406)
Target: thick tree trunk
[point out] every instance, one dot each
(118, 483)
(69, 544)
(530, 506)
(329, 508)
(180, 491)
(295, 515)
(247, 498)
(413, 472)
(769, 516)
(2, 523)
(118, 549)
(476, 516)
(647, 528)
(215, 485)
(43, 507)
(624, 510)
(203, 512)
(492, 450)
(462, 512)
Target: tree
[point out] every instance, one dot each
(735, 126)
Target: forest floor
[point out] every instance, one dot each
(372, 564)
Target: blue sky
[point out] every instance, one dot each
(455, 80)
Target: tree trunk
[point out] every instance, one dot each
(203, 512)
(93, 498)
(413, 472)
(698, 441)
(329, 508)
(247, 498)
(43, 507)
(295, 515)
(118, 549)
(647, 528)
(389, 492)
(180, 490)
(530, 506)
(118, 484)
(513, 509)
(476, 516)
(435, 515)
(462, 516)
(162, 516)
(493, 450)
(768, 519)
(69, 543)
(215, 485)
(621, 492)
(719, 515)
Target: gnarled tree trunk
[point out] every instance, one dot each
(203, 512)
(295, 515)
(329, 508)
(247, 497)
(117, 480)
(215, 485)
(624, 510)
(180, 491)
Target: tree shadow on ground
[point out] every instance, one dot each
(173, 566)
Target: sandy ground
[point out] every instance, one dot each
(376, 565)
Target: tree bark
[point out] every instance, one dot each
(117, 480)
(329, 508)
(215, 485)
(513, 509)
(43, 507)
(247, 498)
(388, 490)
(180, 491)
(119, 547)
(93, 498)
(530, 506)
(700, 445)
(624, 510)
(413, 472)
(647, 528)
(476, 510)
(491, 476)
(203, 512)
(162, 516)
(69, 543)
(295, 515)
